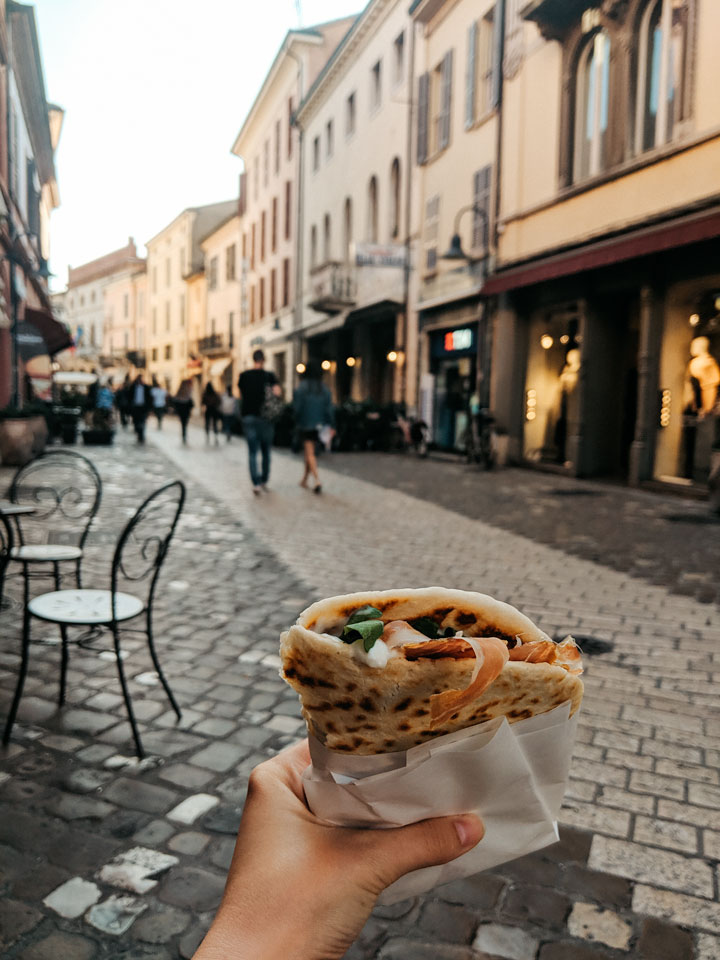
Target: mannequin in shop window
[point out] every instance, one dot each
(700, 404)
(568, 385)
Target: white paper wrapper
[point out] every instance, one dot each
(513, 775)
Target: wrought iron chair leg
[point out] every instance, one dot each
(23, 664)
(56, 573)
(126, 693)
(158, 668)
(63, 663)
(78, 578)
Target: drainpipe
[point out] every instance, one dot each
(408, 215)
(299, 226)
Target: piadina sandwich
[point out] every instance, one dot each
(385, 671)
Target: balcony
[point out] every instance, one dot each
(334, 287)
(136, 358)
(214, 345)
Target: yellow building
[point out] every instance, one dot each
(218, 343)
(607, 333)
(124, 301)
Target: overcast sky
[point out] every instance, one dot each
(155, 92)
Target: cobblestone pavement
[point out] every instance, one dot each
(635, 874)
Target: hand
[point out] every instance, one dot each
(301, 889)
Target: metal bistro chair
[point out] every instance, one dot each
(6, 544)
(63, 486)
(138, 557)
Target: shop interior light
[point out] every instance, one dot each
(326, 364)
(694, 319)
(665, 405)
(564, 339)
(717, 303)
(546, 341)
(350, 361)
(530, 405)
(392, 356)
(300, 368)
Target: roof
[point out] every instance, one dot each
(218, 226)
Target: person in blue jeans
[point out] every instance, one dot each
(257, 427)
(314, 414)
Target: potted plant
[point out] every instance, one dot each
(23, 434)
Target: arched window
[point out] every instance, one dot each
(372, 228)
(313, 247)
(348, 225)
(327, 239)
(395, 199)
(592, 88)
(661, 61)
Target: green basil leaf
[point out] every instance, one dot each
(426, 626)
(365, 613)
(367, 630)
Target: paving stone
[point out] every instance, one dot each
(115, 915)
(86, 721)
(636, 862)
(509, 943)
(538, 905)
(154, 833)
(85, 780)
(56, 741)
(663, 941)
(140, 796)
(588, 922)
(71, 807)
(160, 924)
(136, 870)
(95, 753)
(708, 948)
(398, 948)
(80, 851)
(60, 946)
(168, 743)
(218, 756)
(185, 775)
(573, 846)
(192, 808)
(192, 888)
(222, 853)
(214, 727)
(680, 909)
(190, 843)
(581, 883)
(666, 833)
(223, 819)
(35, 710)
(104, 701)
(73, 898)
(16, 919)
(191, 941)
(447, 923)
(480, 892)
(572, 950)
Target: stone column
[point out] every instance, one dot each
(642, 450)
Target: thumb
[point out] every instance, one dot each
(423, 844)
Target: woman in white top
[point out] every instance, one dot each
(159, 401)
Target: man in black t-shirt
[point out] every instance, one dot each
(253, 385)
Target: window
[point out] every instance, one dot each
(167, 315)
(181, 305)
(212, 327)
(316, 154)
(14, 153)
(395, 199)
(480, 71)
(253, 315)
(252, 246)
(154, 354)
(286, 282)
(213, 273)
(273, 225)
(154, 321)
(168, 351)
(126, 305)
(291, 111)
(441, 103)
(376, 85)
(230, 265)
(288, 204)
(372, 217)
(661, 66)
(82, 299)
(399, 58)
(256, 177)
(154, 279)
(313, 247)
(231, 329)
(273, 290)
(167, 272)
(277, 147)
(348, 226)
(261, 312)
(350, 115)
(432, 224)
(266, 163)
(182, 261)
(329, 139)
(327, 238)
(141, 305)
(481, 199)
(263, 233)
(591, 106)
(92, 296)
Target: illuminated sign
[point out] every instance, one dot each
(458, 340)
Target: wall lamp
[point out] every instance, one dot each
(455, 250)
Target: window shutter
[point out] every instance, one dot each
(481, 198)
(470, 85)
(446, 100)
(497, 47)
(423, 105)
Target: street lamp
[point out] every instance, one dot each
(455, 250)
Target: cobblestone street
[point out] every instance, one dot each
(102, 857)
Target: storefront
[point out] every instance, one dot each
(453, 365)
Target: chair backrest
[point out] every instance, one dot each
(143, 544)
(65, 489)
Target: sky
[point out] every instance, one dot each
(154, 93)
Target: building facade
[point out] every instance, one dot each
(270, 204)
(218, 344)
(607, 292)
(174, 256)
(124, 329)
(356, 161)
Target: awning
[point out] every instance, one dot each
(603, 253)
(53, 332)
(333, 322)
(219, 367)
(30, 342)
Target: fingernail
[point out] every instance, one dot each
(468, 831)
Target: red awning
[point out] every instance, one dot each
(53, 332)
(604, 253)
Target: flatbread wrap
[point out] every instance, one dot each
(385, 671)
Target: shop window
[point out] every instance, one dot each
(592, 95)
(661, 70)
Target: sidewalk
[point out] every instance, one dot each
(636, 872)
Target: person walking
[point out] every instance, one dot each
(314, 415)
(122, 400)
(159, 401)
(183, 404)
(140, 404)
(261, 395)
(211, 402)
(228, 410)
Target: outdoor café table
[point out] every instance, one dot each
(14, 510)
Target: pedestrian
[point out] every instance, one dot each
(140, 404)
(261, 397)
(314, 415)
(228, 411)
(159, 401)
(122, 400)
(300, 887)
(211, 402)
(183, 404)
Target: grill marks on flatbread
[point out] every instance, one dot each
(354, 708)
